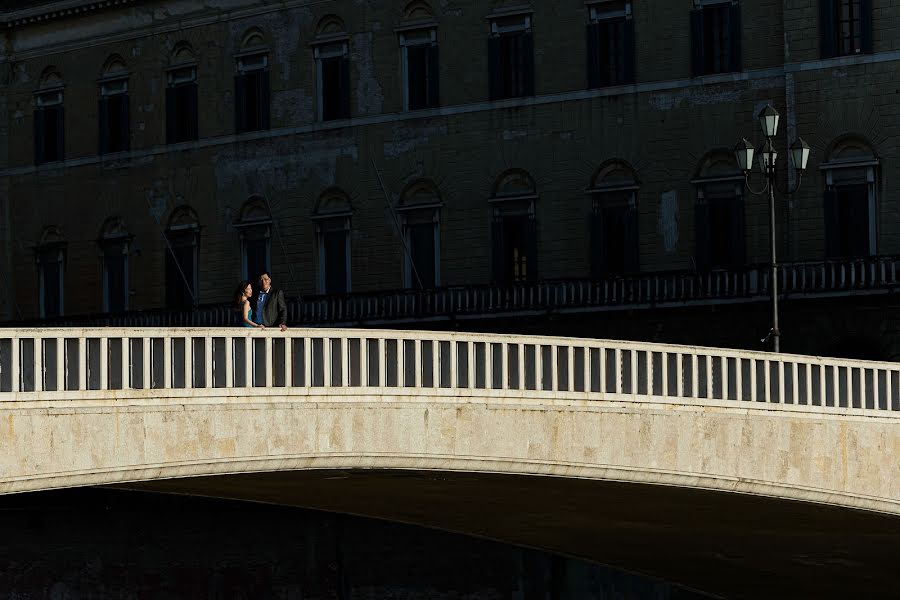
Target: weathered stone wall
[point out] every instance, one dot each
(663, 127)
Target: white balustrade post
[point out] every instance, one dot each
(634, 372)
(418, 358)
(520, 350)
(248, 361)
(809, 387)
(229, 361)
(601, 365)
(38, 365)
(679, 375)
(14, 374)
(436, 363)
(470, 365)
(207, 362)
(167, 362)
(307, 362)
(862, 388)
(664, 373)
(618, 358)
(268, 358)
(767, 381)
(145, 356)
(345, 361)
(82, 363)
(538, 367)
(709, 376)
(289, 361)
(753, 363)
(695, 376)
(401, 363)
(554, 367)
(326, 360)
(382, 364)
(60, 364)
(104, 363)
(738, 379)
(504, 366)
(188, 365)
(126, 362)
(795, 382)
(781, 382)
(454, 359)
(724, 361)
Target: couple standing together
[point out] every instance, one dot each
(262, 307)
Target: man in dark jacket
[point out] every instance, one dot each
(269, 307)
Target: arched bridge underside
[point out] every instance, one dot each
(741, 474)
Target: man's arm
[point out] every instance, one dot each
(281, 306)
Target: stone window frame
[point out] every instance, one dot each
(703, 184)
(734, 30)
(337, 217)
(420, 35)
(420, 212)
(254, 223)
(49, 96)
(514, 204)
(182, 71)
(604, 192)
(605, 13)
(857, 170)
(252, 59)
(113, 87)
(504, 23)
(112, 234)
(184, 224)
(51, 244)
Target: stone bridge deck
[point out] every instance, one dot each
(665, 452)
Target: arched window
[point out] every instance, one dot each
(514, 227)
(251, 83)
(182, 249)
(255, 225)
(614, 220)
(112, 107)
(181, 95)
(850, 200)
(115, 247)
(333, 220)
(49, 119)
(419, 57)
(50, 256)
(719, 210)
(331, 50)
(420, 219)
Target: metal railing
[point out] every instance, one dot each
(671, 288)
(36, 364)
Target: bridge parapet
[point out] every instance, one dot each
(55, 363)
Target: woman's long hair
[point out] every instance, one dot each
(239, 293)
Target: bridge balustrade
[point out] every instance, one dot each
(52, 363)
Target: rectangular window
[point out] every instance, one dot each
(511, 57)
(334, 255)
(51, 272)
(850, 215)
(514, 240)
(610, 44)
(181, 105)
(614, 234)
(716, 38)
(845, 27)
(421, 231)
(115, 276)
(419, 53)
(251, 93)
(113, 118)
(720, 233)
(333, 70)
(49, 127)
(256, 250)
(181, 269)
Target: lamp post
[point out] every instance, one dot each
(767, 156)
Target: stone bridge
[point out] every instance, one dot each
(737, 473)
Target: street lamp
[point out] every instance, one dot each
(766, 155)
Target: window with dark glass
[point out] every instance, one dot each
(115, 274)
(849, 203)
(845, 27)
(614, 233)
(334, 255)
(716, 38)
(251, 93)
(51, 272)
(181, 267)
(333, 66)
(49, 127)
(181, 105)
(113, 117)
(420, 69)
(720, 233)
(511, 57)
(610, 44)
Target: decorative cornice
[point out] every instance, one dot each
(56, 10)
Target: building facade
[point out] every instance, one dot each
(391, 161)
